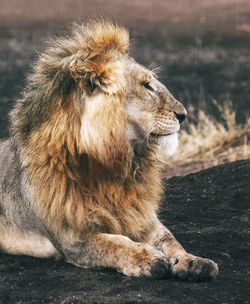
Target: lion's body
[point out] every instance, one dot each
(80, 175)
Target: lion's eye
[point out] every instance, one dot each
(147, 86)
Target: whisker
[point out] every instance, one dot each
(157, 71)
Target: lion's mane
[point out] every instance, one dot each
(83, 172)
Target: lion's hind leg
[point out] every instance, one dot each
(19, 241)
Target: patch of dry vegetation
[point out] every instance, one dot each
(206, 142)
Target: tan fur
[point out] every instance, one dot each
(16, 240)
(87, 131)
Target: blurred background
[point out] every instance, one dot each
(201, 46)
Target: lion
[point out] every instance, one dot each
(80, 176)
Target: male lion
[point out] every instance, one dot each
(79, 175)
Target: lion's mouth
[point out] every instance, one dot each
(159, 135)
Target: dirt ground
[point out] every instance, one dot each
(207, 211)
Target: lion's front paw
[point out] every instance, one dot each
(146, 262)
(194, 268)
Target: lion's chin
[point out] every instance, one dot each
(168, 144)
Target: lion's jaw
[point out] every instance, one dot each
(139, 132)
(169, 143)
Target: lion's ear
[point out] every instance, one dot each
(79, 72)
(102, 72)
(98, 64)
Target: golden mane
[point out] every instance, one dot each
(92, 184)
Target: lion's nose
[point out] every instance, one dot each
(179, 110)
(181, 116)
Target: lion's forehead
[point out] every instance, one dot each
(137, 71)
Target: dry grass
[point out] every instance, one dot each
(206, 142)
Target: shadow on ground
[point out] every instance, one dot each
(207, 211)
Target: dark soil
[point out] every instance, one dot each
(207, 211)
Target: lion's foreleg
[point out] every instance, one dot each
(182, 264)
(120, 253)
